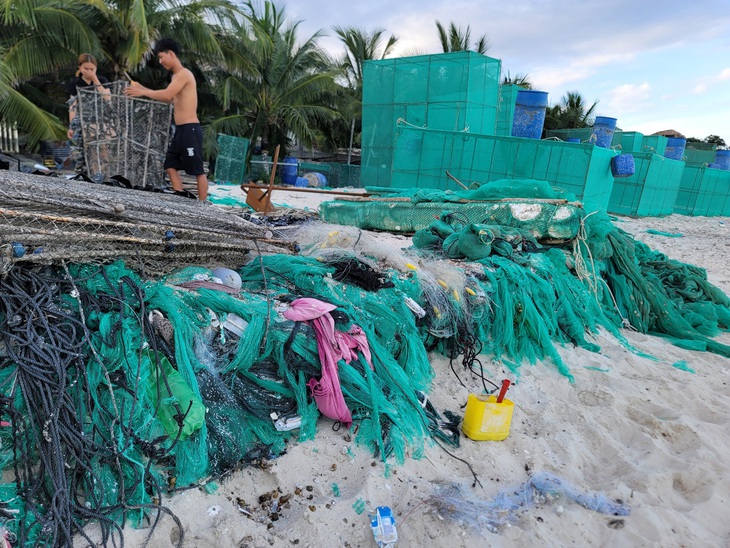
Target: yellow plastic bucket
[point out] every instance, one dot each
(485, 419)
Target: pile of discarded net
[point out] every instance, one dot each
(45, 220)
(116, 387)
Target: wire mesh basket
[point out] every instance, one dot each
(124, 136)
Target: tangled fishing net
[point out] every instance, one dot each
(118, 387)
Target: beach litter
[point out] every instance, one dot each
(454, 502)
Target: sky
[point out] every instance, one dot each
(651, 65)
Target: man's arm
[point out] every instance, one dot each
(165, 95)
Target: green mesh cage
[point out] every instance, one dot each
(337, 174)
(506, 109)
(583, 133)
(704, 191)
(452, 91)
(628, 141)
(651, 190)
(230, 164)
(654, 143)
(698, 154)
(422, 157)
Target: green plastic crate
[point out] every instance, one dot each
(651, 190)
(704, 191)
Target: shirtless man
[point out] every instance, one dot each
(186, 148)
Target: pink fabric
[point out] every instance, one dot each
(332, 346)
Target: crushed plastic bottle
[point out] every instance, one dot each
(383, 526)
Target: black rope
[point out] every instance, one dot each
(64, 440)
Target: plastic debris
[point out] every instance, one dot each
(359, 506)
(383, 525)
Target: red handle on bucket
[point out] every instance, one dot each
(503, 391)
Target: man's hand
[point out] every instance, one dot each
(134, 90)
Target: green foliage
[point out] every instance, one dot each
(40, 41)
(572, 112)
(521, 80)
(272, 83)
(715, 140)
(457, 39)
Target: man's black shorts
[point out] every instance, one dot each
(186, 150)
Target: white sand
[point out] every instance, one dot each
(638, 430)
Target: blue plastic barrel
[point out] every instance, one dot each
(529, 113)
(603, 129)
(289, 170)
(316, 179)
(301, 182)
(722, 158)
(675, 148)
(573, 139)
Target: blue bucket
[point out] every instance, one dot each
(529, 113)
(623, 165)
(289, 170)
(675, 148)
(573, 140)
(722, 158)
(603, 129)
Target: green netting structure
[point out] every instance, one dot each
(703, 191)
(543, 211)
(584, 134)
(230, 164)
(628, 141)
(651, 190)
(699, 154)
(338, 174)
(656, 144)
(453, 91)
(506, 109)
(423, 156)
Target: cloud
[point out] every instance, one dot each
(724, 75)
(630, 98)
(706, 84)
(576, 71)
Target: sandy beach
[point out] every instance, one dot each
(643, 435)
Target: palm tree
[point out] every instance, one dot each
(361, 46)
(456, 39)
(37, 38)
(40, 41)
(271, 84)
(521, 80)
(571, 113)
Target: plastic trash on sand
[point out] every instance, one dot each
(383, 525)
